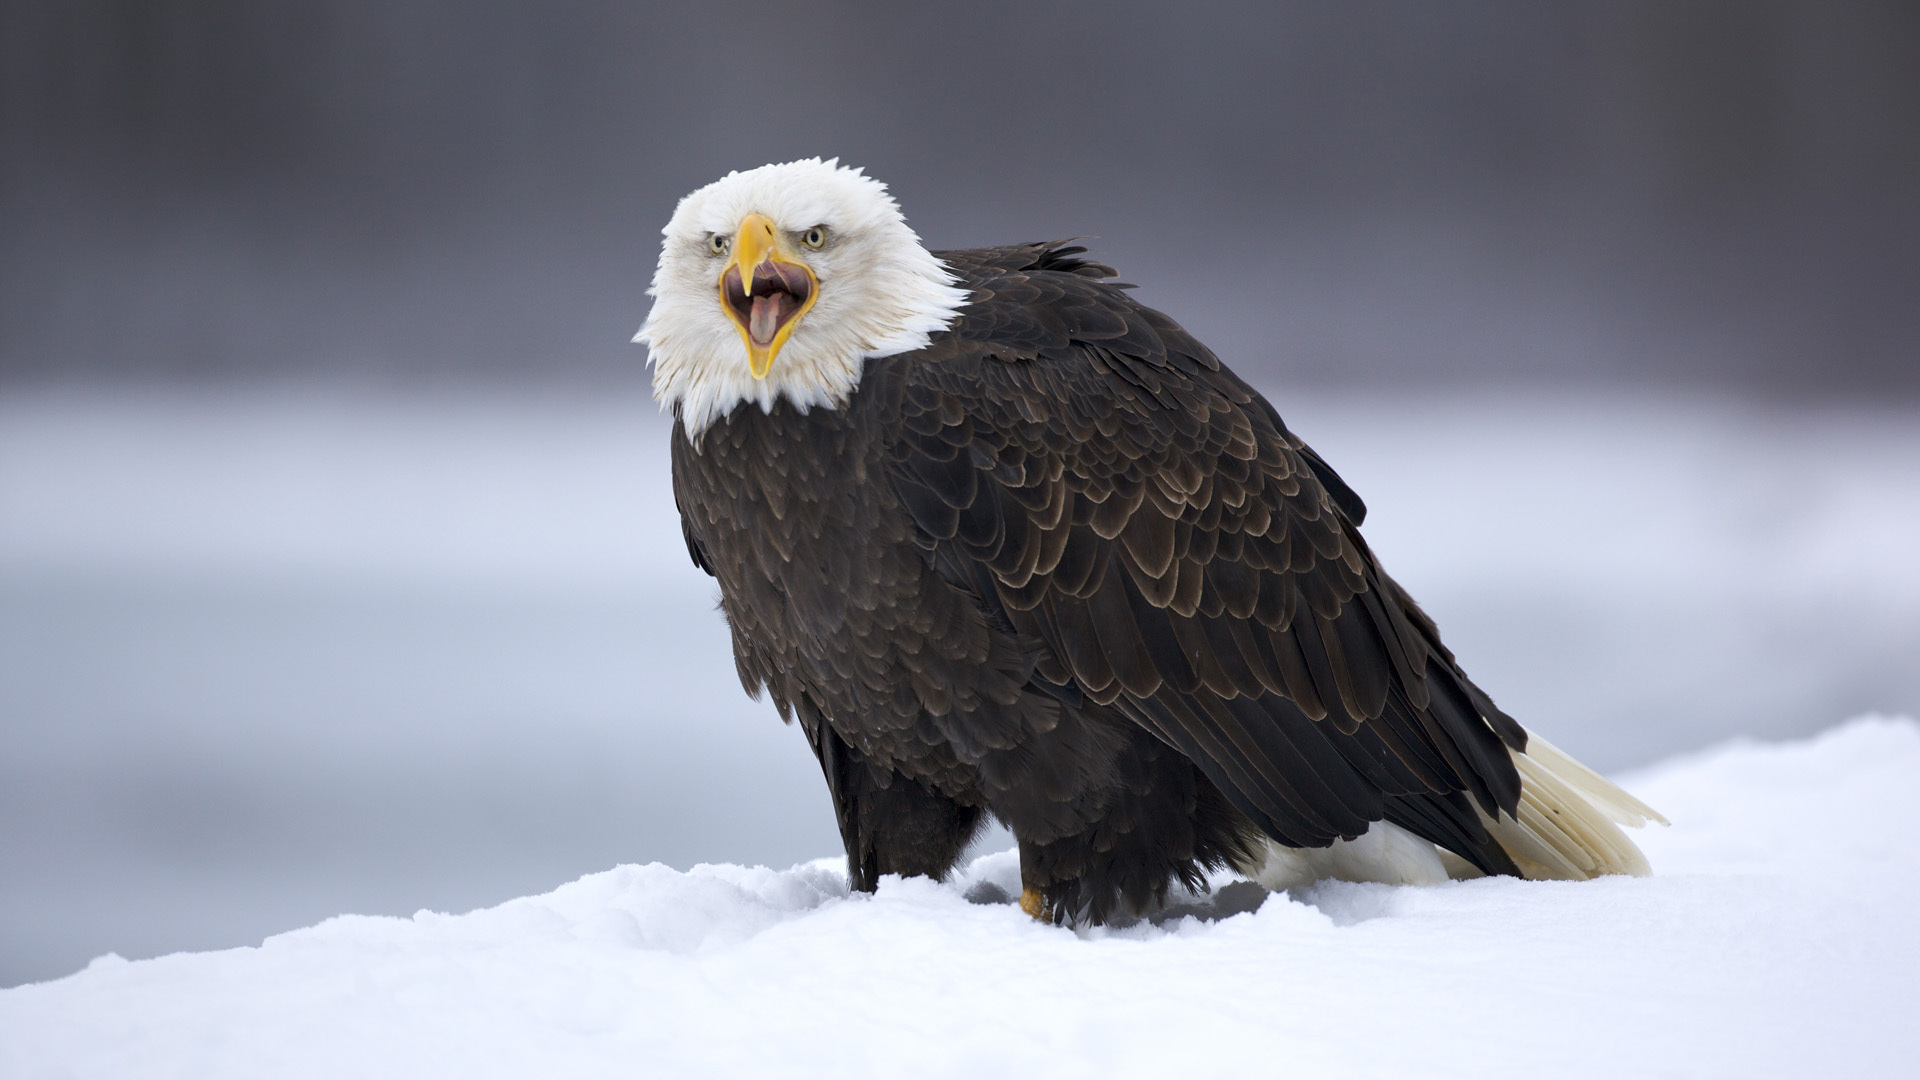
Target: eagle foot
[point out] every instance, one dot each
(1036, 905)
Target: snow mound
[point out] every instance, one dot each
(1776, 938)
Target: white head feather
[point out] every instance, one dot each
(880, 292)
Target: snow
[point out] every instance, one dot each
(1775, 939)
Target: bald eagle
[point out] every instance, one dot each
(1004, 541)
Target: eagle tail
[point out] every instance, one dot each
(1567, 829)
(1568, 824)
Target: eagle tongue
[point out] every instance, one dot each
(769, 311)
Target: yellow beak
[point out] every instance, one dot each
(765, 290)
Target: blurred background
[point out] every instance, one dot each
(338, 567)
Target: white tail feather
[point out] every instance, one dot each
(1568, 824)
(1615, 803)
(1567, 828)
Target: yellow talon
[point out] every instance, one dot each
(1034, 906)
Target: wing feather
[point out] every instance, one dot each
(1149, 524)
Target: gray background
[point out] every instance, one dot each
(337, 567)
(1715, 194)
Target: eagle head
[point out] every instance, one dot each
(780, 282)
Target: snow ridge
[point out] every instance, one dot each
(1775, 939)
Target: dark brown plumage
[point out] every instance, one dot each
(1063, 567)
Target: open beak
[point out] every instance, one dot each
(765, 291)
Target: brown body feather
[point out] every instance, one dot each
(1063, 566)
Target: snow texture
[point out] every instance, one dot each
(1776, 939)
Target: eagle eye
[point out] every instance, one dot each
(815, 238)
(718, 243)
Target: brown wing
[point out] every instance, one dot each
(1116, 496)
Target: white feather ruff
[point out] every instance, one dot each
(1385, 853)
(880, 292)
